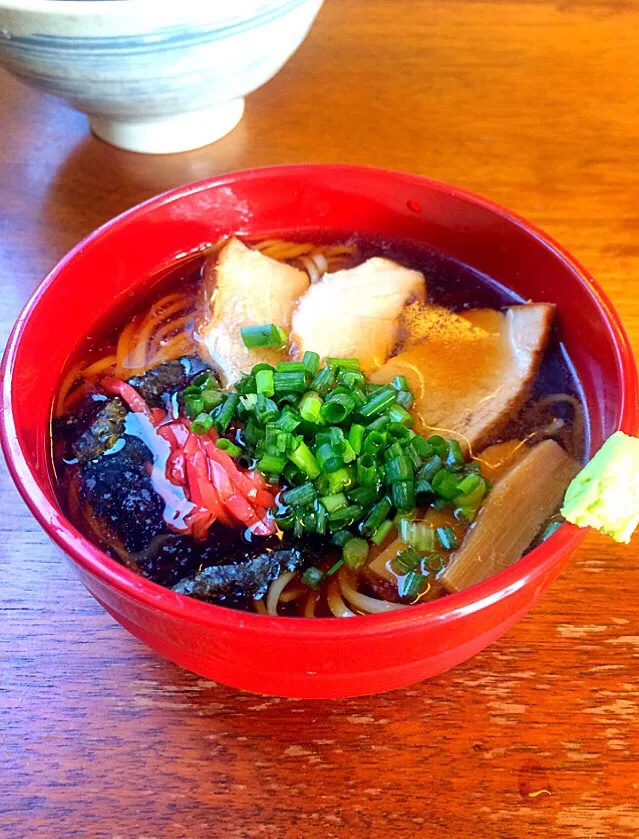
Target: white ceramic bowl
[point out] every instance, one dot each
(152, 75)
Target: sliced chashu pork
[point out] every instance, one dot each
(355, 313)
(246, 289)
(474, 370)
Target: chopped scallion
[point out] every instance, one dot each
(304, 459)
(339, 562)
(310, 406)
(211, 399)
(293, 382)
(445, 484)
(379, 402)
(403, 493)
(412, 585)
(224, 414)
(265, 335)
(202, 424)
(272, 464)
(382, 532)
(300, 496)
(323, 381)
(356, 437)
(229, 447)
(406, 560)
(193, 405)
(376, 516)
(334, 502)
(354, 552)
(313, 577)
(311, 362)
(366, 470)
(344, 363)
(447, 538)
(265, 409)
(264, 382)
(398, 414)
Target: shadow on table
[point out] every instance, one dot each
(98, 181)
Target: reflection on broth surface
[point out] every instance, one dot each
(325, 427)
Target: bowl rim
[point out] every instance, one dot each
(86, 8)
(146, 593)
(55, 8)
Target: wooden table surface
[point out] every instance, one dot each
(534, 104)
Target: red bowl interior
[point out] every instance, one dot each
(294, 656)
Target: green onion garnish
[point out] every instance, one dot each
(413, 584)
(431, 468)
(321, 517)
(439, 445)
(343, 451)
(364, 496)
(435, 563)
(468, 484)
(400, 383)
(406, 561)
(227, 446)
(334, 502)
(202, 424)
(300, 496)
(289, 420)
(342, 479)
(264, 382)
(323, 381)
(376, 516)
(399, 469)
(286, 522)
(313, 577)
(446, 485)
(447, 538)
(379, 424)
(329, 460)
(403, 494)
(311, 362)
(224, 414)
(354, 552)
(417, 534)
(346, 516)
(398, 414)
(203, 380)
(266, 335)
(193, 405)
(304, 459)
(379, 403)
(212, 398)
(367, 470)
(374, 442)
(405, 399)
(310, 406)
(344, 363)
(382, 532)
(337, 407)
(356, 437)
(455, 457)
(339, 562)
(272, 464)
(265, 409)
(289, 382)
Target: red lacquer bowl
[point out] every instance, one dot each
(295, 656)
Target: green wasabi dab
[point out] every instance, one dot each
(605, 494)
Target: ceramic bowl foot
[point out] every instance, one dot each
(166, 135)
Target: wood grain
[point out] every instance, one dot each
(534, 104)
